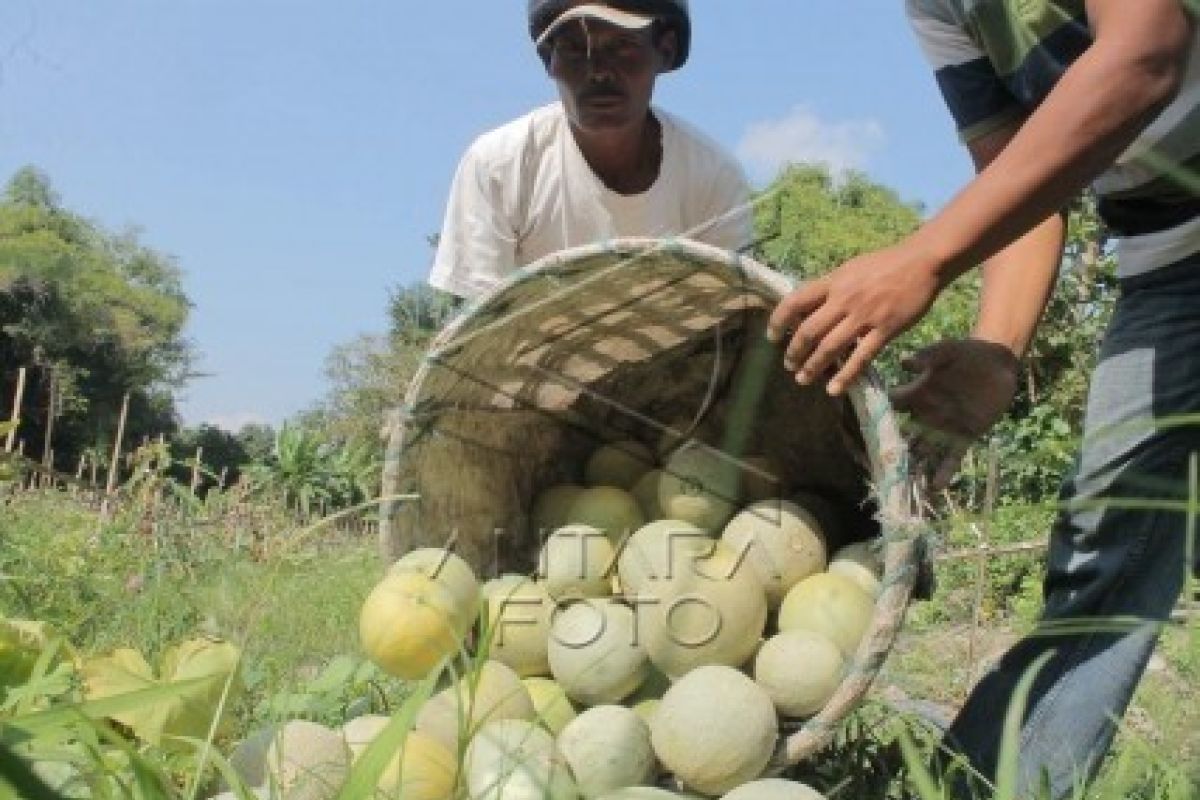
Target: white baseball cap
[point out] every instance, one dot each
(622, 19)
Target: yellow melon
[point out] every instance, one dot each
(607, 748)
(699, 485)
(448, 569)
(714, 729)
(577, 561)
(409, 623)
(831, 605)
(800, 670)
(424, 769)
(552, 707)
(594, 651)
(618, 464)
(780, 542)
(493, 692)
(608, 508)
(713, 614)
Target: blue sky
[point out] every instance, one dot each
(294, 156)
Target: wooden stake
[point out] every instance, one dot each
(51, 413)
(18, 396)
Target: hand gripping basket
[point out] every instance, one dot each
(629, 339)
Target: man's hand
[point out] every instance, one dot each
(960, 389)
(853, 312)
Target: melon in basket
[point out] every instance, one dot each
(699, 485)
(715, 729)
(800, 670)
(619, 464)
(607, 748)
(595, 654)
(831, 605)
(608, 508)
(577, 561)
(551, 507)
(518, 612)
(448, 569)
(860, 563)
(780, 542)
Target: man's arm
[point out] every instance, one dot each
(1131, 71)
(961, 387)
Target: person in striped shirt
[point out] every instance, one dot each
(1050, 96)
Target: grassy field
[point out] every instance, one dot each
(289, 599)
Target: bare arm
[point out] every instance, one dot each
(1131, 71)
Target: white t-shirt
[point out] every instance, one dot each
(524, 191)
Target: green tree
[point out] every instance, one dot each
(94, 315)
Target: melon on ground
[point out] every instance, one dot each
(448, 569)
(518, 610)
(774, 789)
(658, 552)
(715, 614)
(859, 562)
(308, 761)
(360, 731)
(619, 464)
(249, 756)
(577, 561)
(780, 542)
(495, 693)
(800, 670)
(409, 623)
(645, 491)
(607, 748)
(516, 760)
(831, 605)
(424, 769)
(699, 485)
(610, 509)
(551, 706)
(595, 654)
(715, 729)
(643, 793)
(551, 507)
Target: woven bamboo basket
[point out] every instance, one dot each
(634, 338)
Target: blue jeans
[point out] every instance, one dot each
(1113, 574)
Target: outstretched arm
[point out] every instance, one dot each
(1131, 71)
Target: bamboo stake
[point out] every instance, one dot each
(51, 413)
(111, 486)
(196, 469)
(18, 396)
(984, 533)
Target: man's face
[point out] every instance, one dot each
(605, 73)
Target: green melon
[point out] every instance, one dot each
(619, 464)
(861, 563)
(800, 670)
(577, 561)
(608, 508)
(516, 760)
(700, 485)
(714, 614)
(645, 491)
(607, 748)
(594, 652)
(715, 729)
(831, 605)
(774, 789)
(780, 542)
(551, 506)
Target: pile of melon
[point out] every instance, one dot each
(682, 609)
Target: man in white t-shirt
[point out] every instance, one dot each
(601, 163)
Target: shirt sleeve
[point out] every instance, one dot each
(478, 244)
(975, 94)
(729, 217)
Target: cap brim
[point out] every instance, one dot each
(615, 16)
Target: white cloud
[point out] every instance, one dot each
(802, 136)
(234, 421)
